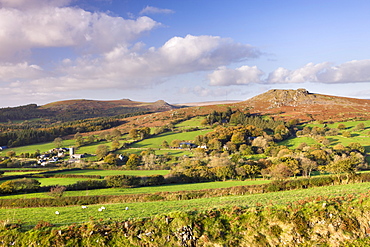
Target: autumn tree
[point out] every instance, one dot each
(79, 141)
(341, 126)
(133, 133)
(111, 159)
(116, 134)
(360, 126)
(115, 145)
(58, 142)
(101, 151)
(132, 162)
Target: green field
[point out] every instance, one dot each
(75, 214)
(156, 142)
(144, 190)
(173, 152)
(191, 123)
(42, 147)
(348, 124)
(117, 172)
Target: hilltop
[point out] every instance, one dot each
(82, 109)
(301, 104)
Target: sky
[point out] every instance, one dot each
(181, 51)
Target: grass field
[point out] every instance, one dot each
(76, 214)
(42, 147)
(156, 142)
(193, 122)
(142, 190)
(117, 172)
(173, 152)
(348, 124)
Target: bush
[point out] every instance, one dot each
(122, 181)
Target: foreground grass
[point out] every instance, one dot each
(76, 214)
(142, 190)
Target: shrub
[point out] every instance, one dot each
(122, 181)
(57, 191)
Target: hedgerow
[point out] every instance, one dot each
(277, 185)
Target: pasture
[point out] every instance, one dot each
(145, 190)
(118, 212)
(156, 142)
(191, 123)
(117, 172)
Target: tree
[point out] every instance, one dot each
(165, 144)
(101, 151)
(341, 126)
(115, 145)
(346, 134)
(307, 166)
(132, 162)
(341, 165)
(175, 143)
(90, 139)
(214, 144)
(111, 159)
(238, 138)
(355, 146)
(144, 132)
(133, 133)
(280, 171)
(79, 141)
(360, 126)
(11, 153)
(116, 134)
(58, 142)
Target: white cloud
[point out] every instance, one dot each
(307, 73)
(134, 67)
(244, 75)
(10, 72)
(50, 26)
(154, 10)
(31, 4)
(353, 71)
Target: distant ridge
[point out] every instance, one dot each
(68, 110)
(83, 104)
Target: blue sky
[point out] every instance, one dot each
(181, 51)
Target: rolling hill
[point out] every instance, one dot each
(81, 109)
(306, 106)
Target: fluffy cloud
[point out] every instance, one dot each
(31, 4)
(130, 67)
(353, 71)
(53, 26)
(154, 10)
(243, 75)
(307, 73)
(11, 72)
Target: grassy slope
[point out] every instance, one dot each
(157, 141)
(74, 214)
